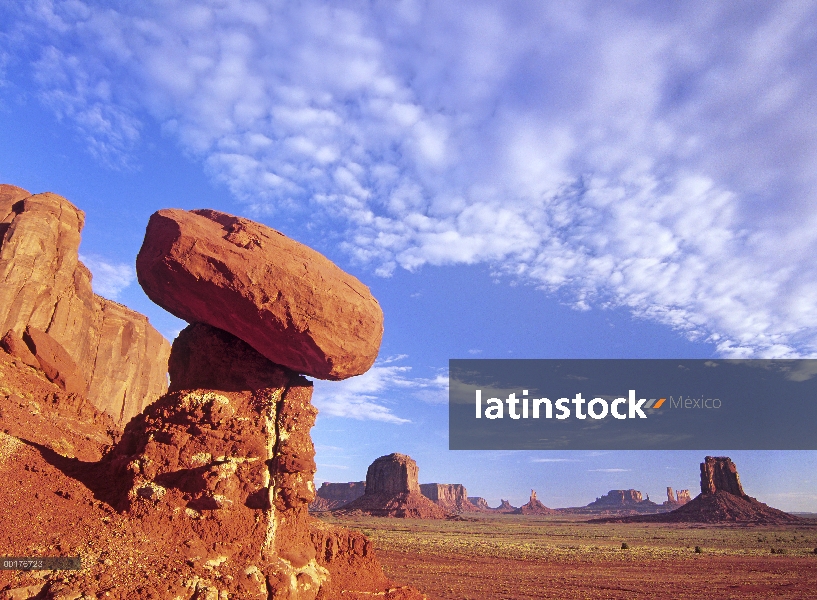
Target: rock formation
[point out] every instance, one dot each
(505, 507)
(287, 301)
(534, 507)
(121, 361)
(720, 473)
(204, 496)
(334, 495)
(452, 497)
(479, 502)
(679, 500)
(722, 500)
(392, 490)
(618, 498)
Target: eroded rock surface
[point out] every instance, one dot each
(43, 285)
(392, 490)
(479, 502)
(287, 301)
(452, 497)
(534, 507)
(334, 495)
(720, 473)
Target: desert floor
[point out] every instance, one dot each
(514, 557)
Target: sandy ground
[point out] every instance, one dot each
(519, 557)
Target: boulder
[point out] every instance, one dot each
(14, 345)
(287, 301)
(720, 473)
(44, 285)
(453, 497)
(55, 362)
(392, 490)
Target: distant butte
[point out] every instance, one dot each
(722, 500)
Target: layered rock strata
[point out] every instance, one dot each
(720, 473)
(334, 495)
(452, 497)
(287, 301)
(392, 490)
(120, 358)
(479, 502)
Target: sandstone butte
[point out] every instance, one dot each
(722, 500)
(117, 359)
(288, 302)
(452, 497)
(334, 495)
(392, 490)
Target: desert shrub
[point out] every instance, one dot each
(698, 550)
(625, 546)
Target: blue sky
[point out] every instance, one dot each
(518, 179)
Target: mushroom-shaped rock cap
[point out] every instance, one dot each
(290, 303)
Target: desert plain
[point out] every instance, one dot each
(514, 557)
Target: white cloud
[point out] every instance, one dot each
(367, 396)
(659, 158)
(608, 470)
(109, 279)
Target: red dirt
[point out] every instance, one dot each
(459, 577)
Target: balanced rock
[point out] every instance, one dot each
(228, 471)
(392, 490)
(534, 507)
(334, 495)
(43, 285)
(720, 473)
(453, 497)
(287, 301)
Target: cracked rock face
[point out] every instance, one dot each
(233, 467)
(120, 359)
(290, 303)
(720, 473)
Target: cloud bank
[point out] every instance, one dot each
(656, 156)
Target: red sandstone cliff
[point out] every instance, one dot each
(120, 358)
